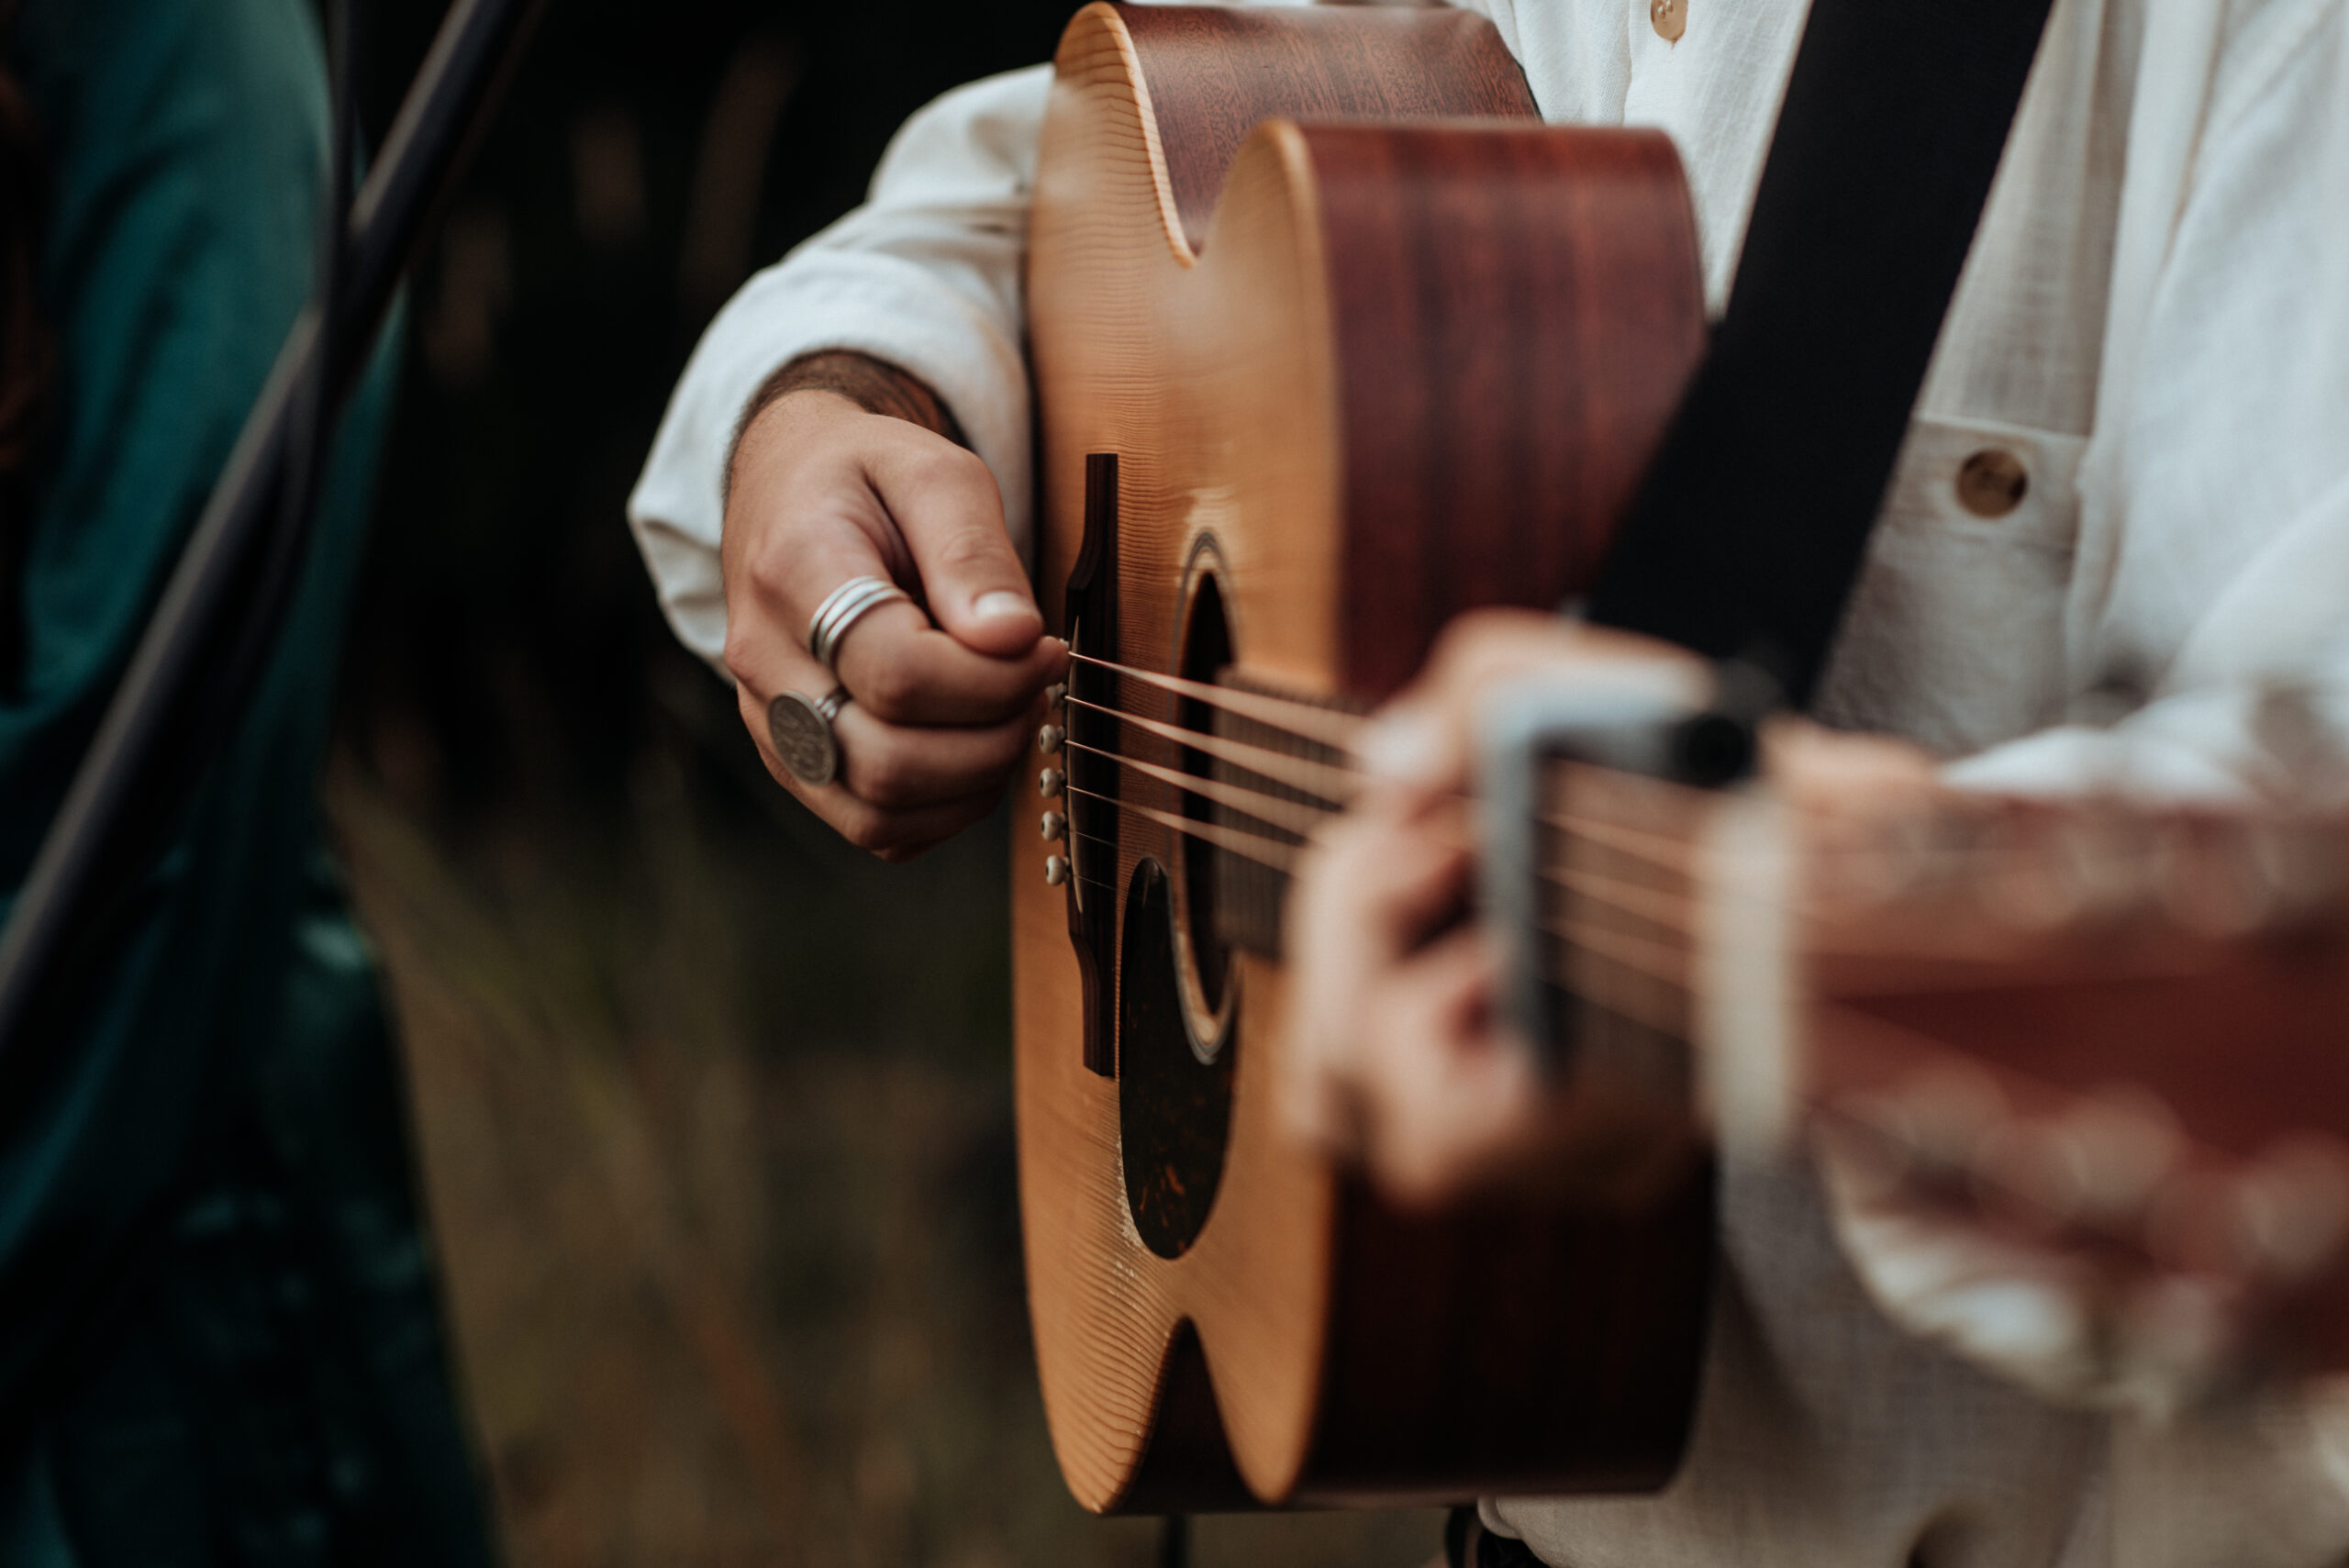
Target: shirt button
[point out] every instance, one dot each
(1992, 482)
(1669, 17)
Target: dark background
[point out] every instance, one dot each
(649, 157)
(714, 1112)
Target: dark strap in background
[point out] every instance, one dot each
(1747, 534)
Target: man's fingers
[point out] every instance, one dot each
(898, 767)
(778, 582)
(905, 672)
(1394, 1054)
(1394, 876)
(1424, 740)
(1446, 1097)
(893, 831)
(950, 514)
(896, 835)
(894, 661)
(823, 492)
(895, 502)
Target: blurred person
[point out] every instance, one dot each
(2152, 329)
(219, 1335)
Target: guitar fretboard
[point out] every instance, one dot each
(1247, 892)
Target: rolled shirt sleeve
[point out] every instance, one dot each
(926, 275)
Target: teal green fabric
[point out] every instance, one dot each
(219, 1340)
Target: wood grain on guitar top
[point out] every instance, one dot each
(1361, 377)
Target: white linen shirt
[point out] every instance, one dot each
(2155, 321)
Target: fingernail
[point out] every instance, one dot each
(1002, 604)
(1405, 748)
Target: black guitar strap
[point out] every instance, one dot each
(1747, 534)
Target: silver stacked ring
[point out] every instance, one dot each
(842, 608)
(801, 728)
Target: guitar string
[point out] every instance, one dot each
(1269, 852)
(1298, 720)
(1104, 843)
(1336, 728)
(1329, 782)
(1313, 724)
(1294, 816)
(1985, 933)
(1916, 859)
(1669, 967)
(1278, 857)
(1656, 905)
(1557, 974)
(1668, 907)
(2019, 882)
(1915, 862)
(1303, 817)
(1945, 968)
(1674, 853)
(1601, 941)
(1325, 779)
(1661, 906)
(1663, 963)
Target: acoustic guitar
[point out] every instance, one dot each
(1309, 387)
(1333, 339)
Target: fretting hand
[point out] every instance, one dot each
(1400, 1063)
(1399, 1059)
(939, 705)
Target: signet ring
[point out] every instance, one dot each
(801, 729)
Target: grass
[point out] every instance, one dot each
(716, 1122)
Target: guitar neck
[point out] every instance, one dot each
(2090, 1015)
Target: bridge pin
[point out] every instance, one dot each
(1053, 826)
(1049, 739)
(1055, 870)
(1050, 781)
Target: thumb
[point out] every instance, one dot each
(946, 507)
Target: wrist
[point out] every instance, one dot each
(874, 385)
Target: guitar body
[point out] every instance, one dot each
(1306, 392)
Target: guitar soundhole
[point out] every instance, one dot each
(1173, 1109)
(1203, 958)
